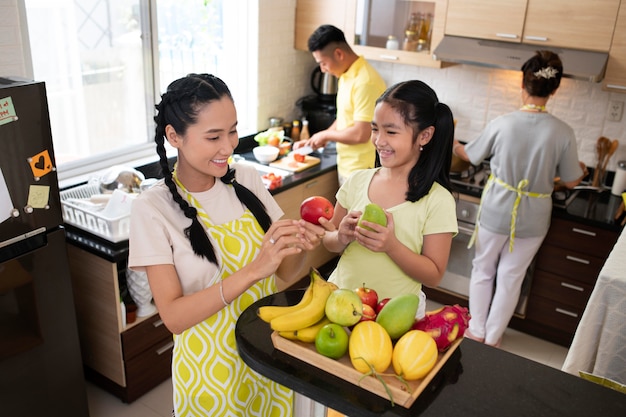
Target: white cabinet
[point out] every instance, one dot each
(585, 25)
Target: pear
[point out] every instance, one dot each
(398, 315)
(373, 213)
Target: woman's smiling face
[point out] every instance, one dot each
(394, 140)
(207, 144)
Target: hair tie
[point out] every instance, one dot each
(229, 177)
(191, 212)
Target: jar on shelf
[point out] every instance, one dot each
(392, 43)
(423, 43)
(412, 33)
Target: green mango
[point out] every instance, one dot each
(398, 315)
(373, 213)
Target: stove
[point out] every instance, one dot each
(472, 180)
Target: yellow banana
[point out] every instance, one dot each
(312, 312)
(304, 335)
(268, 313)
(291, 334)
(307, 335)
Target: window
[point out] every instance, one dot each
(106, 62)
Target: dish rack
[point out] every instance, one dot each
(113, 229)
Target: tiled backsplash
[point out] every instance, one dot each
(477, 95)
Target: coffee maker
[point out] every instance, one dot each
(320, 109)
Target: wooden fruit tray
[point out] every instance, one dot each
(343, 368)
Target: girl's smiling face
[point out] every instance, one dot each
(204, 149)
(394, 140)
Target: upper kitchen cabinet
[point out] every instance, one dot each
(370, 24)
(486, 19)
(310, 14)
(398, 31)
(615, 78)
(579, 25)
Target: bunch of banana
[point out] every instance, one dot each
(307, 334)
(309, 311)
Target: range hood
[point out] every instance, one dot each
(578, 64)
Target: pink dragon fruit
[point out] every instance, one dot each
(445, 325)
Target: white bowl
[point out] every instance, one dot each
(266, 154)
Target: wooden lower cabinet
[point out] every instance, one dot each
(565, 271)
(126, 360)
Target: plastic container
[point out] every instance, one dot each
(619, 182)
(113, 229)
(392, 43)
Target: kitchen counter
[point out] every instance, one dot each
(593, 209)
(477, 380)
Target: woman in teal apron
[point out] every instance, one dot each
(210, 240)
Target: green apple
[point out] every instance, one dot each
(373, 213)
(344, 307)
(332, 341)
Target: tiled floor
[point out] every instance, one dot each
(158, 402)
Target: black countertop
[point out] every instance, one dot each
(477, 380)
(594, 209)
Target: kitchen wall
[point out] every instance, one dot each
(475, 94)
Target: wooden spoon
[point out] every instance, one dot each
(601, 150)
(610, 152)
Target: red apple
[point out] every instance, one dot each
(381, 304)
(368, 295)
(315, 207)
(368, 313)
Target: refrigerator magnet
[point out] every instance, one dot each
(7, 111)
(41, 164)
(38, 196)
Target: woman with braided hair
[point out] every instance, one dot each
(210, 238)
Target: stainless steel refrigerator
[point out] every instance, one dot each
(41, 371)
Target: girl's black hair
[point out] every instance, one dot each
(542, 73)
(179, 108)
(420, 108)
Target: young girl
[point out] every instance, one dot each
(413, 133)
(528, 149)
(209, 239)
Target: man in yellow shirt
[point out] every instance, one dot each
(358, 88)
